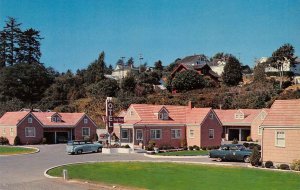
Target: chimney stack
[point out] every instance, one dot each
(190, 105)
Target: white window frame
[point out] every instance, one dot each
(26, 132)
(259, 131)
(88, 130)
(176, 132)
(239, 116)
(3, 131)
(191, 136)
(11, 131)
(155, 133)
(213, 133)
(29, 120)
(123, 130)
(53, 119)
(85, 121)
(281, 138)
(136, 134)
(163, 116)
(211, 116)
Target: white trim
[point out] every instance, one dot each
(122, 133)
(3, 131)
(29, 119)
(11, 131)
(85, 120)
(155, 133)
(85, 128)
(213, 133)
(259, 132)
(282, 138)
(34, 133)
(136, 136)
(176, 134)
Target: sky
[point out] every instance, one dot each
(76, 31)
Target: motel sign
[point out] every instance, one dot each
(110, 120)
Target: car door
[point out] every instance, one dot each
(232, 154)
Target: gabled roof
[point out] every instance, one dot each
(13, 118)
(283, 113)
(67, 119)
(227, 117)
(177, 114)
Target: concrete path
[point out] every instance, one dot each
(26, 171)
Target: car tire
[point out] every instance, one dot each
(99, 150)
(79, 152)
(219, 159)
(247, 159)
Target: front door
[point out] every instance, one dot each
(233, 134)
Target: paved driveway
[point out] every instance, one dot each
(26, 171)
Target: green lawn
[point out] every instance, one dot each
(8, 150)
(180, 176)
(185, 153)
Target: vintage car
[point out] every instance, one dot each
(78, 147)
(231, 152)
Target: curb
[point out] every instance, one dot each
(156, 161)
(274, 170)
(157, 156)
(36, 151)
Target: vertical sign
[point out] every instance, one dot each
(109, 115)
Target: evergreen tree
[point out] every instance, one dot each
(284, 52)
(130, 62)
(232, 74)
(188, 80)
(95, 71)
(3, 46)
(12, 35)
(29, 47)
(158, 65)
(259, 73)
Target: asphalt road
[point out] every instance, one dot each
(25, 172)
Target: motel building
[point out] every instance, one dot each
(33, 127)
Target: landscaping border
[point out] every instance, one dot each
(36, 151)
(274, 169)
(159, 156)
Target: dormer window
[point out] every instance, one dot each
(85, 120)
(163, 114)
(53, 119)
(29, 120)
(238, 116)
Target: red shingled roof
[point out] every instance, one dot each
(177, 114)
(227, 117)
(284, 113)
(67, 119)
(12, 118)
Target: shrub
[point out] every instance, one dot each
(126, 146)
(191, 148)
(295, 165)
(203, 148)
(196, 147)
(183, 142)
(269, 164)
(255, 157)
(17, 140)
(150, 146)
(284, 167)
(208, 148)
(185, 148)
(246, 144)
(235, 141)
(249, 139)
(4, 141)
(95, 137)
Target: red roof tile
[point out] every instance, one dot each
(67, 119)
(227, 117)
(177, 114)
(12, 118)
(284, 113)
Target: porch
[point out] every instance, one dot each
(240, 133)
(56, 136)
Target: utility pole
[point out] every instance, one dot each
(123, 65)
(140, 58)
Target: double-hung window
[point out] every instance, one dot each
(211, 133)
(280, 138)
(85, 120)
(175, 133)
(139, 134)
(124, 134)
(155, 133)
(192, 133)
(29, 131)
(85, 131)
(11, 131)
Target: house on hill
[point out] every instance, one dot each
(281, 132)
(121, 71)
(32, 127)
(168, 125)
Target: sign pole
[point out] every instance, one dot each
(109, 117)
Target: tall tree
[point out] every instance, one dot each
(187, 80)
(232, 74)
(158, 65)
(3, 46)
(259, 73)
(29, 47)
(95, 71)
(130, 62)
(12, 34)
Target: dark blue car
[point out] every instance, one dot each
(231, 152)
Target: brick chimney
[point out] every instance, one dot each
(190, 105)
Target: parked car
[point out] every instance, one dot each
(78, 147)
(231, 152)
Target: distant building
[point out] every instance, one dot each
(121, 71)
(286, 66)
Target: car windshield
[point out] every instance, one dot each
(240, 147)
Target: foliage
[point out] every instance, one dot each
(255, 157)
(96, 70)
(150, 146)
(269, 164)
(17, 140)
(249, 139)
(235, 141)
(184, 153)
(259, 73)
(191, 147)
(246, 144)
(196, 147)
(4, 141)
(295, 165)
(187, 80)
(286, 51)
(284, 167)
(158, 65)
(128, 83)
(105, 88)
(232, 74)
